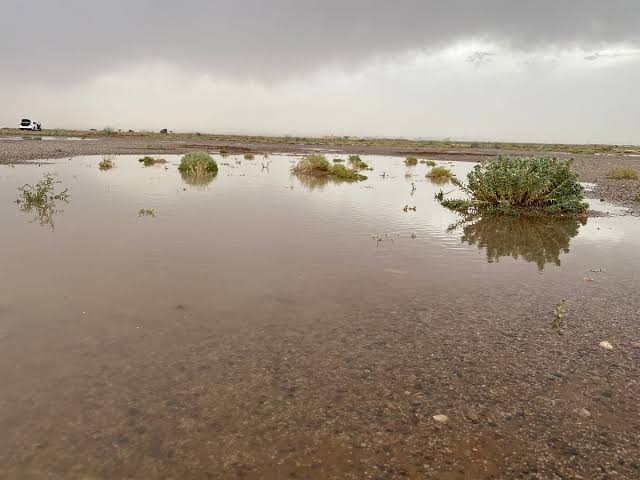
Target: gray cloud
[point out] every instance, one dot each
(265, 41)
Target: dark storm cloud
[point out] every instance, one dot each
(264, 40)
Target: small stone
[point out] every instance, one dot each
(441, 418)
(606, 345)
(584, 413)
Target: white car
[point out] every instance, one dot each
(26, 124)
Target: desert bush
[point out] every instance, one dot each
(622, 173)
(428, 163)
(106, 163)
(198, 164)
(357, 163)
(411, 161)
(513, 185)
(317, 165)
(439, 172)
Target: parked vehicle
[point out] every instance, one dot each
(26, 124)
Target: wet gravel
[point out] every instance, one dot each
(591, 168)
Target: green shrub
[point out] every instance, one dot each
(512, 185)
(106, 163)
(149, 161)
(622, 173)
(428, 163)
(411, 161)
(439, 172)
(357, 163)
(317, 165)
(198, 164)
(42, 199)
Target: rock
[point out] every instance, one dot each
(164, 130)
(584, 413)
(606, 345)
(441, 418)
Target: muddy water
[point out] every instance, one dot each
(265, 326)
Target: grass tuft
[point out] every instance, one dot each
(198, 164)
(411, 161)
(149, 161)
(318, 166)
(249, 156)
(622, 173)
(439, 172)
(106, 163)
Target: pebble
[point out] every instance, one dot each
(441, 418)
(606, 345)
(584, 413)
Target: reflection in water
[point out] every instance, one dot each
(318, 183)
(538, 240)
(439, 180)
(197, 180)
(44, 213)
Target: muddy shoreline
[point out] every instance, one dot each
(592, 168)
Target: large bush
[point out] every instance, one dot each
(513, 185)
(317, 165)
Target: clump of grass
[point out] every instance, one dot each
(411, 161)
(249, 156)
(622, 173)
(439, 172)
(146, 212)
(198, 164)
(42, 198)
(149, 161)
(338, 160)
(106, 163)
(513, 185)
(636, 198)
(428, 163)
(318, 166)
(357, 163)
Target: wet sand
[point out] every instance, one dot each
(591, 167)
(256, 329)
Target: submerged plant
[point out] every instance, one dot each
(513, 185)
(357, 163)
(622, 173)
(149, 161)
(317, 165)
(428, 163)
(42, 199)
(106, 163)
(559, 312)
(411, 161)
(146, 212)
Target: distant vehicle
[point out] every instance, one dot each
(26, 124)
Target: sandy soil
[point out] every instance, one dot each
(591, 168)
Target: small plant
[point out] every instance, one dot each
(249, 156)
(622, 173)
(318, 166)
(559, 312)
(338, 160)
(407, 208)
(106, 163)
(413, 188)
(513, 185)
(439, 172)
(636, 198)
(357, 163)
(146, 212)
(42, 198)
(149, 161)
(411, 161)
(428, 163)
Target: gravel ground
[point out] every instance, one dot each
(591, 168)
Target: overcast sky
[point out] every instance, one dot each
(544, 70)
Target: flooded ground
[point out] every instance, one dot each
(266, 326)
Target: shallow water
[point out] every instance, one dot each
(130, 343)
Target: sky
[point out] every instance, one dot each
(496, 70)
